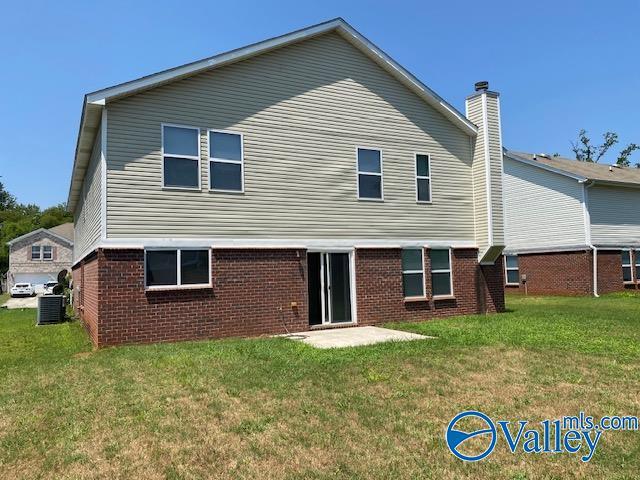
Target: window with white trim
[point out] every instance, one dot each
(189, 267)
(627, 272)
(512, 269)
(35, 252)
(441, 278)
(413, 272)
(369, 174)
(226, 165)
(423, 178)
(180, 157)
(637, 256)
(47, 252)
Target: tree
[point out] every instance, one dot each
(585, 151)
(623, 157)
(6, 199)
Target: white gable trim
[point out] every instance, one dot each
(94, 102)
(101, 97)
(64, 240)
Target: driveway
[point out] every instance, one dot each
(21, 302)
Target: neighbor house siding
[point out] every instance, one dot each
(542, 209)
(615, 215)
(303, 110)
(87, 219)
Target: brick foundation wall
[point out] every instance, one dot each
(379, 288)
(85, 295)
(251, 295)
(610, 271)
(253, 291)
(569, 273)
(556, 273)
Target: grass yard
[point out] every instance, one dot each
(273, 408)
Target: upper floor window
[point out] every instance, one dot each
(413, 272)
(627, 272)
(512, 269)
(441, 278)
(369, 174)
(41, 252)
(181, 156)
(423, 178)
(177, 267)
(226, 155)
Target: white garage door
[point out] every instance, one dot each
(36, 279)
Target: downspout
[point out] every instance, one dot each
(587, 232)
(595, 271)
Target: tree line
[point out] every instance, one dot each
(17, 219)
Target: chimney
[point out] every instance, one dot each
(483, 110)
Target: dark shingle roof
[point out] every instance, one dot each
(65, 230)
(589, 171)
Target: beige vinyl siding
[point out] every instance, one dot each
(474, 113)
(615, 215)
(495, 155)
(303, 110)
(87, 227)
(542, 208)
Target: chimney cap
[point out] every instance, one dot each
(481, 86)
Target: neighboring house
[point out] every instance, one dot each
(307, 181)
(571, 227)
(39, 256)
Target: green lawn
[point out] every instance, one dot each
(274, 408)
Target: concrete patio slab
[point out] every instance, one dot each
(352, 337)
(21, 302)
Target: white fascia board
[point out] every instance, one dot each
(123, 243)
(633, 244)
(393, 67)
(300, 244)
(101, 97)
(172, 74)
(546, 249)
(533, 163)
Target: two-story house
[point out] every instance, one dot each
(307, 181)
(40, 256)
(571, 227)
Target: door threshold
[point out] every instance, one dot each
(333, 325)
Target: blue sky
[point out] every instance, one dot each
(559, 65)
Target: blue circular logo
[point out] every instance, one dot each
(457, 438)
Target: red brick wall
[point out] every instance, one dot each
(379, 288)
(252, 294)
(610, 271)
(570, 273)
(556, 273)
(85, 295)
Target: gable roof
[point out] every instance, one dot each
(65, 230)
(95, 101)
(60, 233)
(581, 171)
